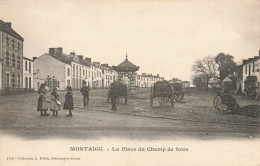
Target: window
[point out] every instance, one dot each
(68, 82)
(13, 60)
(18, 62)
(7, 58)
(73, 70)
(19, 80)
(13, 80)
(253, 67)
(246, 69)
(7, 41)
(13, 43)
(25, 65)
(7, 79)
(30, 83)
(68, 72)
(18, 46)
(29, 67)
(26, 82)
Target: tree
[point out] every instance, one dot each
(198, 81)
(205, 69)
(226, 63)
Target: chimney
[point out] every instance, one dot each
(72, 53)
(157, 75)
(55, 51)
(88, 60)
(8, 24)
(34, 58)
(259, 52)
(80, 57)
(51, 51)
(59, 51)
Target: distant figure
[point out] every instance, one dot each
(55, 103)
(42, 101)
(68, 104)
(85, 93)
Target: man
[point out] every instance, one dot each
(85, 93)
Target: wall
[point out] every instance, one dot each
(49, 66)
(27, 73)
(14, 52)
(256, 72)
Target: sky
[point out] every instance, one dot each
(162, 37)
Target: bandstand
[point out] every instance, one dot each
(127, 69)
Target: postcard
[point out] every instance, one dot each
(132, 82)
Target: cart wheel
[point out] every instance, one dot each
(151, 100)
(226, 103)
(215, 101)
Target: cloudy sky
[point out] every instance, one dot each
(164, 37)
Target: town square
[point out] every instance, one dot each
(129, 82)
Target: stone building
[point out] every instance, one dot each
(11, 59)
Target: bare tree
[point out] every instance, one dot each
(206, 68)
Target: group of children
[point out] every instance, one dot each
(43, 102)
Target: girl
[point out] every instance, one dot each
(68, 105)
(42, 101)
(55, 107)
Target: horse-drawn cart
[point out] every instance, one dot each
(178, 92)
(163, 91)
(116, 91)
(225, 103)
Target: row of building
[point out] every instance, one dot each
(54, 68)
(73, 70)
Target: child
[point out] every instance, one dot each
(42, 101)
(55, 107)
(68, 104)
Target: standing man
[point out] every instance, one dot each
(85, 93)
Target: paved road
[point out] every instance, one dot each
(136, 120)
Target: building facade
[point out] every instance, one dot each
(28, 73)
(69, 70)
(11, 59)
(147, 80)
(251, 67)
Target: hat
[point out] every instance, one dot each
(69, 88)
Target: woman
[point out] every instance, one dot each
(68, 104)
(55, 107)
(42, 101)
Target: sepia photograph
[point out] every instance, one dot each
(131, 82)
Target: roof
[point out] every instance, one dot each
(227, 79)
(126, 66)
(7, 29)
(250, 60)
(28, 59)
(84, 62)
(63, 58)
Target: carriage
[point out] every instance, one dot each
(225, 103)
(178, 92)
(163, 91)
(117, 90)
